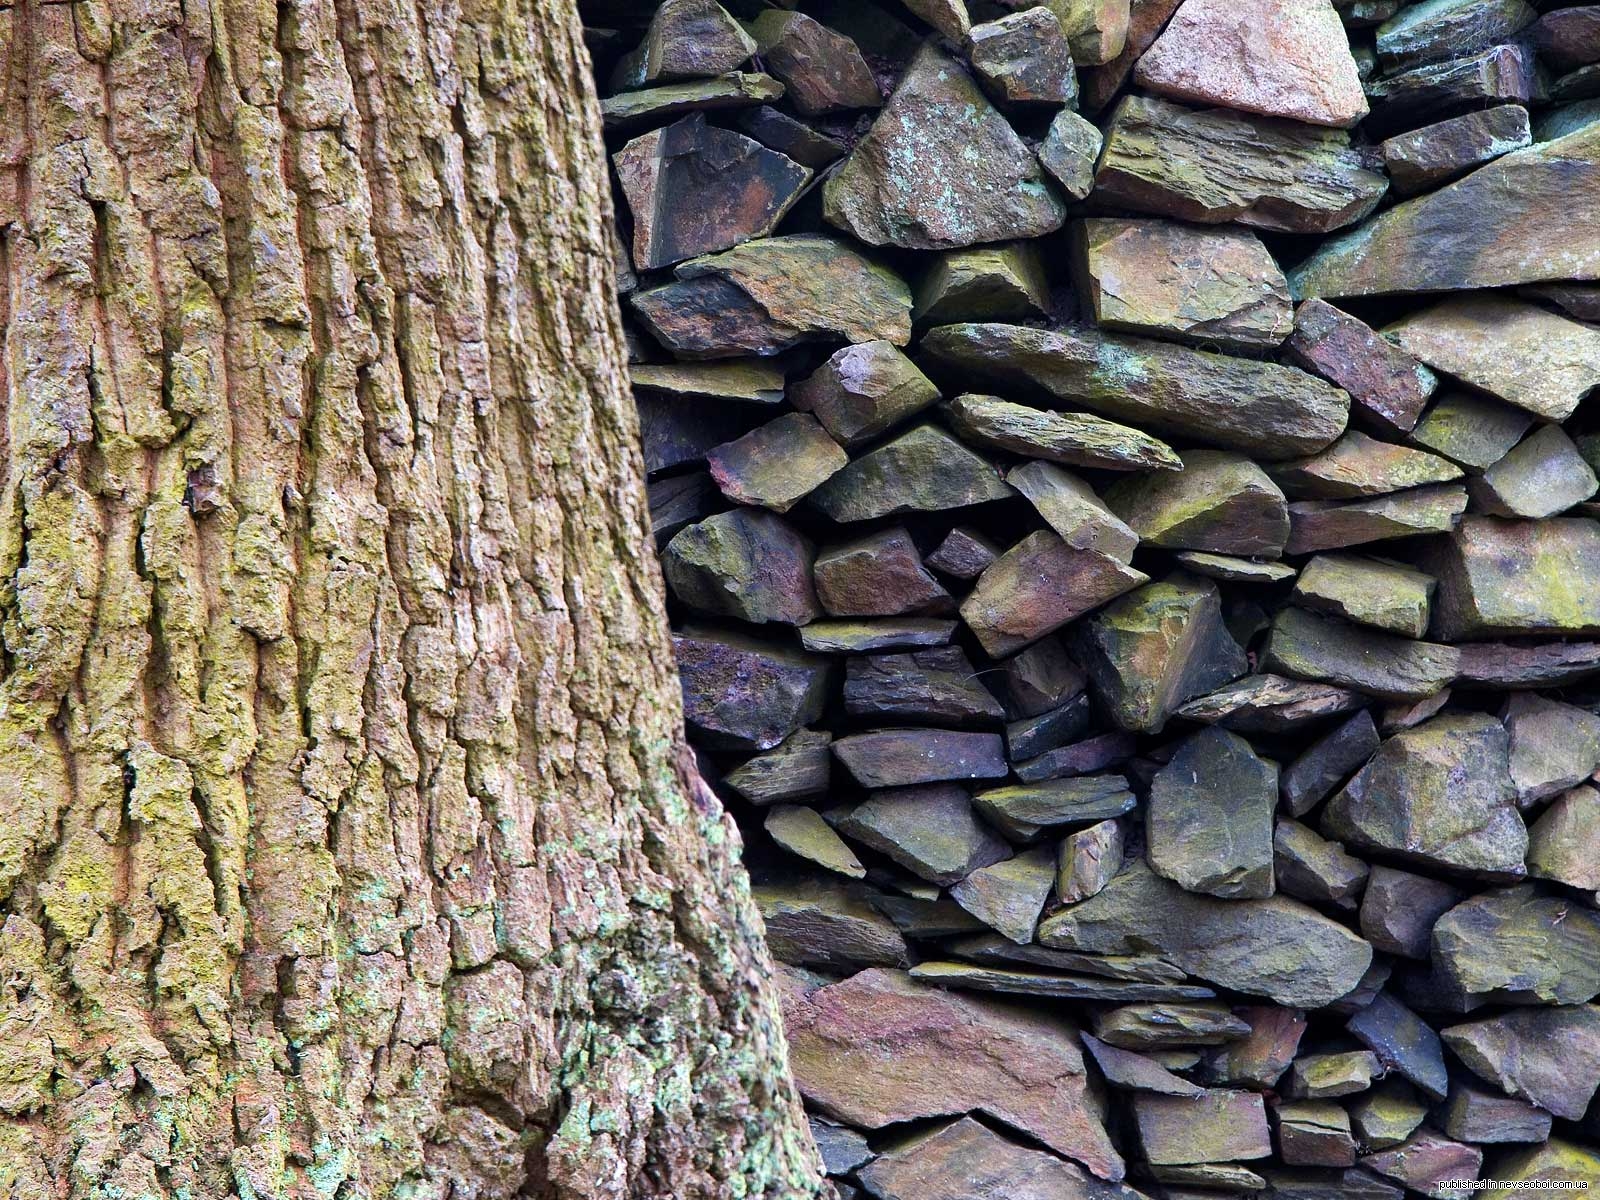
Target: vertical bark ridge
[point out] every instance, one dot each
(350, 846)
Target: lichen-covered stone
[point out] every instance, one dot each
(1387, 1115)
(1259, 1058)
(1368, 591)
(1078, 439)
(1008, 896)
(687, 39)
(1472, 430)
(1323, 1076)
(930, 831)
(744, 563)
(1071, 508)
(1158, 1025)
(1314, 1133)
(1146, 19)
(1026, 810)
(744, 694)
(859, 637)
(879, 575)
(778, 464)
(1541, 476)
(797, 768)
(1500, 74)
(1266, 703)
(1096, 29)
(1023, 58)
(1212, 166)
(1151, 651)
(1322, 766)
(1562, 845)
(1391, 668)
(1556, 1161)
(1438, 794)
(1281, 58)
(984, 283)
(1435, 154)
(1550, 1056)
(1219, 501)
(1425, 1160)
(1333, 524)
(822, 70)
(1088, 859)
(827, 925)
(1069, 151)
(1554, 746)
(802, 832)
(1516, 946)
(1228, 568)
(1517, 577)
(736, 89)
(1216, 286)
(1217, 1126)
(940, 168)
(1357, 465)
(924, 470)
(1254, 407)
(1387, 386)
(1444, 29)
(1311, 868)
(863, 390)
(1208, 821)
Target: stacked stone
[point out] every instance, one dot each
(1127, 496)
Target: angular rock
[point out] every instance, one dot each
(1032, 736)
(1154, 1026)
(1554, 746)
(676, 433)
(984, 283)
(1254, 407)
(687, 39)
(1212, 166)
(1315, 1133)
(937, 685)
(1357, 465)
(1270, 704)
(1547, 664)
(1434, 155)
(1219, 501)
(1088, 860)
(1399, 910)
(768, 295)
(779, 131)
(1308, 780)
(745, 563)
(1391, 668)
(802, 832)
(1474, 1115)
(1562, 843)
(1150, 652)
(949, 1162)
(1038, 586)
(1078, 439)
(1531, 216)
(680, 500)
(1568, 38)
(828, 926)
(1041, 678)
(737, 89)
(822, 70)
(842, 1149)
(1323, 1076)
(1024, 58)
(1146, 20)
(1216, 286)
(693, 188)
(1277, 948)
(1009, 896)
(742, 694)
(1024, 811)
(891, 758)
(1387, 386)
(1125, 1069)
(1549, 1056)
(1072, 509)
(1407, 716)
(778, 464)
(1368, 591)
(940, 168)
(797, 768)
(1497, 75)
(880, 575)
(879, 1048)
(1558, 1160)
(930, 831)
(1472, 430)
(1517, 578)
(1209, 817)
(925, 470)
(1228, 569)
(922, 918)
(1069, 152)
(1425, 1160)
(1515, 946)
(1311, 868)
(1525, 355)
(859, 637)
(1544, 475)
(1404, 1043)
(1387, 1115)
(1260, 1057)
(949, 17)
(1096, 29)
(1439, 794)
(992, 948)
(753, 382)
(1331, 525)
(1444, 29)
(1213, 1127)
(964, 554)
(1280, 58)
(862, 391)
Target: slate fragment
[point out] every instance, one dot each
(1500, 74)
(1265, 703)
(1314, 1133)
(1425, 1160)
(842, 1148)
(1087, 860)
(984, 283)
(1100, 85)
(802, 832)
(736, 89)
(1219, 502)
(827, 925)
(1554, 746)
(743, 694)
(1368, 591)
(1332, 525)
(1541, 476)
(1032, 736)
(923, 470)
(1391, 668)
(1357, 465)
(1477, 1115)
(1399, 909)
(1444, 29)
(1557, 1160)
(1259, 1058)
(744, 563)
(1387, 1115)
(1388, 387)
(1008, 896)
(1562, 841)
(964, 554)
(938, 686)
(777, 464)
(1156, 1025)
(1323, 1076)
(1077, 439)
(931, 831)
(1404, 1043)
(859, 637)
(1041, 678)
(1216, 1126)
(863, 390)
(1096, 29)
(1517, 578)
(1516, 946)
(1126, 1069)
(687, 39)
(1227, 568)
(1321, 767)
(1208, 821)
(822, 70)
(879, 575)
(891, 758)
(1311, 868)
(1027, 810)
(750, 382)
(1549, 1056)
(798, 767)
(1069, 151)
(1023, 58)
(1435, 154)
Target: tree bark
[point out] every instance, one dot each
(348, 845)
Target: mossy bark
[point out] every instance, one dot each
(348, 847)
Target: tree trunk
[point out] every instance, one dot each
(349, 845)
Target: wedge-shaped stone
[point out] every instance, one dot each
(1088, 860)
(1220, 501)
(949, 17)
(1554, 746)
(1159, 277)
(862, 391)
(1070, 149)
(860, 637)
(1213, 166)
(1544, 475)
(1425, 1161)
(1368, 591)
(1387, 1115)
(1404, 1044)
(1313, 869)
(984, 283)
(677, 432)
(745, 563)
(1550, 1056)
(1357, 465)
(1471, 429)
(1281, 58)
(800, 767)
(1032, 736)
(1517, 577)
(1515, 946)
(1009, 896)
(802, 832)
(1024, 59)
(1228, 568)
(937, 685)
(964, 554)
(794, 139)
(1388, 387)
(1078, 439)
(1319, 769)
(1332, 524)
(1277, 948)
(744, 694)
(1127, 1069)
(1041, 678)
(737, 89)
(1562, 841)
(822, 70)
(891, 758)
(778, 464)
(1214, 1127)
(1531, 216)
(1398, 910)
(940, 168)
(1027, 810)
(1150, 652)
(880, 575)
(993, 949)
(753, 382)
(1209, 819)
(1438, 794)
(1262, 703)
(1436, 154)
(1569, 37)
(1096, 29)
(930, 831)
(1322, 1076)
(1100, 85)
(925, 470)
(1036, 587)
(880, 1048)
(1258, 1059)
(1498, 75)
(1259, 408)
(1157, 1026)
(1390, 668)
(774, 293)
(1444, 29)
(687, 39)
(1526, 355)
(1071, 508)
(694, 188)
(827, 925)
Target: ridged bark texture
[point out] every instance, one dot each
(347, 844)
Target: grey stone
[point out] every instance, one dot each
(1209, 817)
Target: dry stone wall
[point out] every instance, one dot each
(1125, 478)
